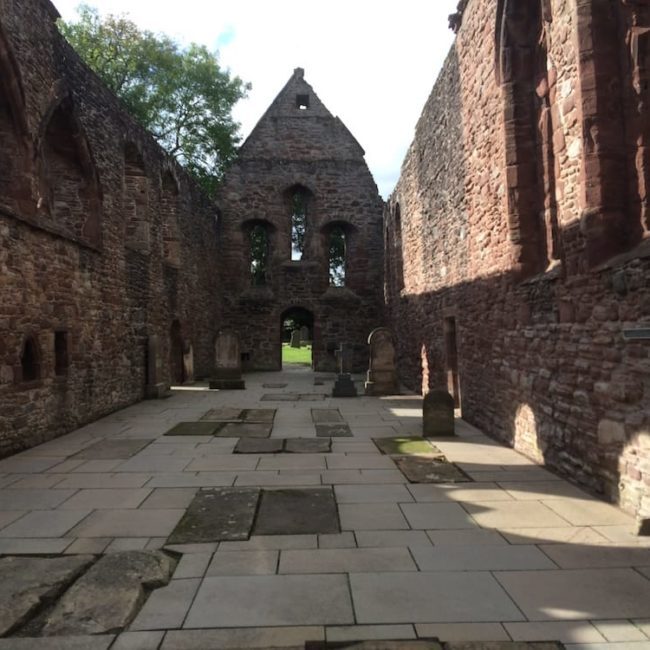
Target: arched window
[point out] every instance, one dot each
(337, 256)
(259, 254)
(299, 200)
(136, 200)
(169, 211)
(30, 360)
(70, 189)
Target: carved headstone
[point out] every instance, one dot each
(382, 373)
(188, 363)
(304, 334)
(227, 362)
(438, 414)
(155, 387)
(344, 386)
(295, 339)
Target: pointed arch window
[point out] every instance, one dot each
(259, 254)
(337, 257)
(299, 202)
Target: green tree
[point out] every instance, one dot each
(181, 95)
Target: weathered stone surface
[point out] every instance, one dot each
(312, 397)
(333, 431)
(326, 416)
(297, 512)
(382, 371)
(274, 385)
(227, 362)
(413, 446)
(217, 514)
(28, 582)
(203, 428)
(409, 644)
(110, 594)
(438, 414)
(108, 449)
(258, 415)
(429, 470)
(259, 446)
(280, 397)
(244, 430)
(225, 414)
(307, 445)
(344, 386)
(295, 339)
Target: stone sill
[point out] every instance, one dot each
(37, 224)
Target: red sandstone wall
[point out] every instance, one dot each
(542, 361)
(66, 262)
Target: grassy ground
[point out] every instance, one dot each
(300, 356)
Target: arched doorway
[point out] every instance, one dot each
(297, 337)
(176, 361)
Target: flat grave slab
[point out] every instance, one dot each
(323, 416)
(258, 415)
(217, 514)
(341, 430)
(308, 445)
(203, 428)
(407, 446)
(430, 470)
(259, 446)
(297, 512)
(280, 397)
(113, 449)
(226, 414)
(244, 430)
(274, 385)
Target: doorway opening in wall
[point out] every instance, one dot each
(451, 360)
(297, 336)
(177, 367)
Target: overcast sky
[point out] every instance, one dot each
(372, 63)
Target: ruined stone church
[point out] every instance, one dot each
(512, 260)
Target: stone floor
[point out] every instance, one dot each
(517, 554)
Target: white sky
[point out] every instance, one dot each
(372, 63)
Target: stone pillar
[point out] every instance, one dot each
(155, 388)
(438, 414)
(382, 373)
(227, 362)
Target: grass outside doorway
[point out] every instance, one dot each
(300, 356)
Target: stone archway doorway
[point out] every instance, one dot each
(297, 335)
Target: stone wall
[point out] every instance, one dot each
(309, 150)
(516, 238)
(104, 242)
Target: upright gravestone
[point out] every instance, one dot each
(438, 414)
(227, 362)
(188, 363)
(304, 334)
(382, 373)
(155, 387)
(344, 386)
(295, 339)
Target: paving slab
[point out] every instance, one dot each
(617, 630)
(339, 540)
(274, 385)
(292, 462)
(280, 397)
(259, 446)
(45, 523)
(513, 514)
(463, 631)
(340, 430)
(458, 492)
(102, 642)
(430, 470)
(372, 516)
(225, 414)
(113, 449)
(563, 535)
(27, 583)
(271, 601)
(346, 560)
(471, 537)
(398, 644)
(243, 563)
(271, 542)
(392, 538)
(589, 512)
(383, 493)
(369, 632)
(430, 598)
(245, 430)
(582, 556)
(217, 514)
(308, 445)
(361, 477)
(95, 499)
(296, 512)
(359, 461)
(202, 428)
(192, 565)
(312, 397)
(326, 416)
(31, 546)
(437, 516)
(258, 415)
(480, 558)
(128, 523)
(254, 637)
(161, 498)
(561, 595)
(167, 607)
(32, 499)
(407, 446)
(564, 631)
(138, 641)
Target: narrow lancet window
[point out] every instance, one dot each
(337, 257)
(259, 242)
(298, 224)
